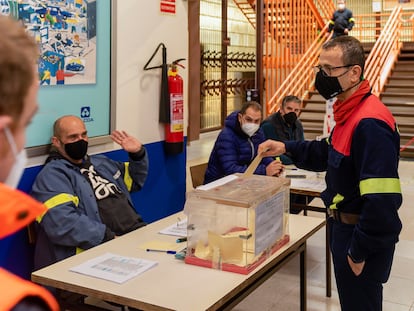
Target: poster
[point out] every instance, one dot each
(75, 43)
(66, 33)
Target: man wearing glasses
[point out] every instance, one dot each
(363, 191)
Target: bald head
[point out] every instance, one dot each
(67, 130)
(67, 123)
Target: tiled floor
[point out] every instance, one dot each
(281, 292)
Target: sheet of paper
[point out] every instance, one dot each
(217, 182)
(313, 181)
(253, 165)
(177, 229)
(114, 268)
(308, 184)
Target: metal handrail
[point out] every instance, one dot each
(301, 77)
(378, 65)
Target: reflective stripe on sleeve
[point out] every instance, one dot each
(379, 185)
(127, 177)
(59, 199)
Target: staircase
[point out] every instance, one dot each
(398, 96)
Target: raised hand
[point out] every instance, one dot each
(127, 142)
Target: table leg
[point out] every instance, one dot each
(303, 278)
(328, 260)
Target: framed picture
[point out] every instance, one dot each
(389, 5)
(76, 48)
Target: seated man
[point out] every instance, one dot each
(236, 145)
(87, 197)
(284, 125)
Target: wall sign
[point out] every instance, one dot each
(167, 6)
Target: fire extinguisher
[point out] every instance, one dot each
(174, 131)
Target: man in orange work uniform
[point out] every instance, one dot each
(18, 103)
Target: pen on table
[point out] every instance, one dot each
(179, 240)
(161, 251)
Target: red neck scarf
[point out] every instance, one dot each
(342, 110)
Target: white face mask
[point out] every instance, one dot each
(341, 7)
(250, 128)
(19, 165)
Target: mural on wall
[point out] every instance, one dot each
(66, 33)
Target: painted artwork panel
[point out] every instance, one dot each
(66, 33)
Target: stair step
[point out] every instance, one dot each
(396, 84)
(399, 88)
(404, 68)
(402, 78)
(404, 63)
(408, 96)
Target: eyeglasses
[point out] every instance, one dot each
(327, 70)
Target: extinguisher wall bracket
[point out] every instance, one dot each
(164, 54)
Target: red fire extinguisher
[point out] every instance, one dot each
(174, 131)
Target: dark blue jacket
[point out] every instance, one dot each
(276, 128)
(73, 222)
(361, 159)
(341, 20)
(233, 151)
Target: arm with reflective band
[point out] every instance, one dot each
(59, 199)
(136, 172)
(375, 150)
(127, 178)
(379, 185)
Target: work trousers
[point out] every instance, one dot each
(363, 292)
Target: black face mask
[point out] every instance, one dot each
(328, 87)
(77, 150)
(290, 118)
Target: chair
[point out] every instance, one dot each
(197, 174)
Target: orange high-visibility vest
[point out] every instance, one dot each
(14, 289)
(17, 210)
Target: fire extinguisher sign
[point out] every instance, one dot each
(177, 113)
(167, 6)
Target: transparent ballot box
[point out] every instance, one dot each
(235, 223)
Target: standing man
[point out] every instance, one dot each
(236, 145)
(88, 197)
(363, 192)
(18, 104)
(284, 124)
(342, 20)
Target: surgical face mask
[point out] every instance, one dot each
(19, 165)
(250, 128)
(77, 150)
(290, 118)
(341, 7)
(328, 87)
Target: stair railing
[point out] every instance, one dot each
(384, 52)
(301, 77)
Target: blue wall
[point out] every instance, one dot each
(163, 194)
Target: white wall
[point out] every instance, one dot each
(140, 27)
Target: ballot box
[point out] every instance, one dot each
(235, 223)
